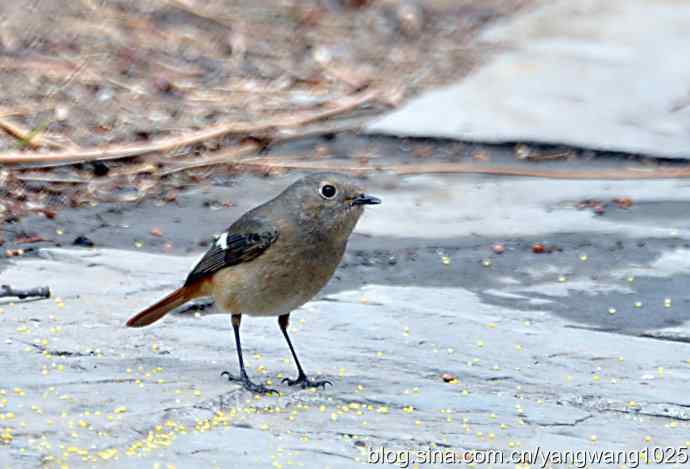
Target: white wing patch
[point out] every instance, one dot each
(222, 241)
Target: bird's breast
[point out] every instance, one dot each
(282, 279)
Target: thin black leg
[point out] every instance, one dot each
(283, 322)
(243, 378)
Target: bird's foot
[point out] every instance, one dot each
(305, 382)
(248, 384)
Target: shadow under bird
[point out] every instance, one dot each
(274, 259)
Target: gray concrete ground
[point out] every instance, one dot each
(583, 348)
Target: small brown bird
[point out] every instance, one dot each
(274, 259)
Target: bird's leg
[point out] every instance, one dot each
(243, 378)
(302, 380)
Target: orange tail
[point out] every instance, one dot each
(155, 312)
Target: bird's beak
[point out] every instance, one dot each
(366, 199)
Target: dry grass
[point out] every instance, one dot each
(161, 89)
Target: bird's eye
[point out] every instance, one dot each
(328, 191)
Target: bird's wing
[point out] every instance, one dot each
(243, 242)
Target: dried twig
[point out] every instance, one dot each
(53, 179)
(40, 292)
(4, 112)
(463, 168)
(228, 156)
(623, 173)
(28, 137)
(166, 144)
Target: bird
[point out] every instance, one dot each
(272, 260)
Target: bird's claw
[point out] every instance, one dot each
(305, 382)
(248, 384)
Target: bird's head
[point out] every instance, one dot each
(329, 203)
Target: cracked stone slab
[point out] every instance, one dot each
(586, 73)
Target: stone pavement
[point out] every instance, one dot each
(583, 348)
(599, 74)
